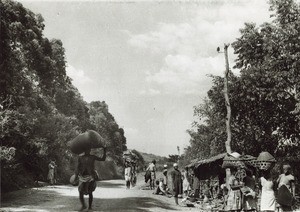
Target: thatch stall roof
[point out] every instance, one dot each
(214, 166)
(192, 164)
(210, 160)
(210, 167)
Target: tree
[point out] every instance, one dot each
(264, 99)
(140, 159)
(268, 57)
(40, 109)
(106, 125)
(173, 158)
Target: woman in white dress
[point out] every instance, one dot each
(267, 201)
(185, 183)
(128, 175)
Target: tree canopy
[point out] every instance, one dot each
(40, 108)
(265, 96)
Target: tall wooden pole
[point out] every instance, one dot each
(227, 102)
(228, 117)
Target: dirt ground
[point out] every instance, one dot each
(110, 195)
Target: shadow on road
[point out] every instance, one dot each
(106, 184)
(131, 204)
(52, 199)
(29, 200)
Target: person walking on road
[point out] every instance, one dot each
(152, 169)
(134, 174)
(86, 175)
(177, 182)
(128, 174)
(52, 171)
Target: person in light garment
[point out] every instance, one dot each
(161, 189)
(185, 182)
(234, 198)
(152, 169)
(86, 175)
(128, 174)
(165, 178)
(52, 171)
(267, 200)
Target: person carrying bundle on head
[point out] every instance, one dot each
(128, 174)
(86, 175)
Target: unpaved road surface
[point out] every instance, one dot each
(109, 196)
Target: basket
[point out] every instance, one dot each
(251, 162)
(264, 165)
(266, 156)
(73, 180)
(264, 161)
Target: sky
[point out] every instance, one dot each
(148, 60)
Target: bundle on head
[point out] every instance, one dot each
(85, 141)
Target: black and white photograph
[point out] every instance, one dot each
(150, 105)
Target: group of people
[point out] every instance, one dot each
(130, 174)
(240, 193)
(284, 186)
(179, 181)
(275, 194)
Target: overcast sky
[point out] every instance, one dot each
(148, 60)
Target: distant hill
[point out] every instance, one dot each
(160, 161)
(149, 157)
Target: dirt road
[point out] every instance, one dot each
(109, 196)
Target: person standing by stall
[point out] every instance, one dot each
(248, 192)
(267, 200)
(85, 173)
(234, 198)
(286, 189)
(186, 182)
(176, 181)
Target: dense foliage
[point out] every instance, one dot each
(140, 160)
(40, 108)
(264, 97)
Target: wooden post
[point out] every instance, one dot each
(228, 117)
(227, 102)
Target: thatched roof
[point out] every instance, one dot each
(210, 160)
(196, 163)
(192, 164)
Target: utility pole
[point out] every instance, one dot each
(227, 102)
(178, 149)
(228, 108)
